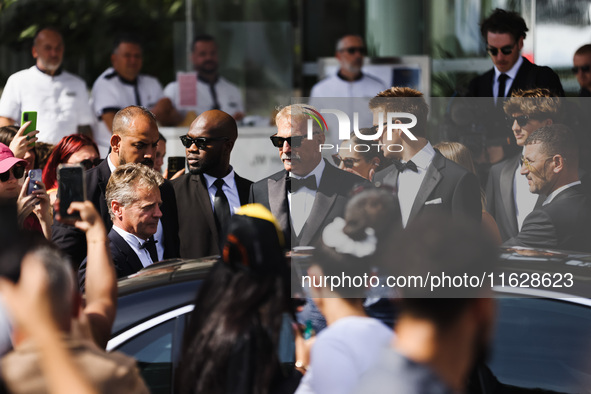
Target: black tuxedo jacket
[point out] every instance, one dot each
(331, 197)
(529, 76)
(562, 224)
(125, 259)
(73, 241)
(198, 233)
(447, 187)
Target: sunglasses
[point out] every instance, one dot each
(506, 50)
(200, 142)
(585, 69)
(88, 164)
(294, 142)
(529, 164)
(352, 50)
(17, 171)
(521, 120)
(348, 162)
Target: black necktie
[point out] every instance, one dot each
(221, 212)
(150, 244)
(502, 85)
(297, 184)
(409, 165)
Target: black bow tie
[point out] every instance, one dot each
(297, 184)
(151, 241)
(409, 165)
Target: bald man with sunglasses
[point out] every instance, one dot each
(211, 192)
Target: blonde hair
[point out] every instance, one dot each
(538, 102)
(460, 154)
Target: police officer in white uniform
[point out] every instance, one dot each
(213, 90)
(122, 85)
(59, 97)
(349, 81)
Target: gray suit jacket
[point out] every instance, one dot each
(451, 188)
(331, 198)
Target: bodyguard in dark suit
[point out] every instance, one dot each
(508, 198)
(309, 193)
(550, 165)
(425, 180)
(503, 33)
(134, 140)
(202, 208)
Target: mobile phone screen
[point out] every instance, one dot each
(175, 164)
(71, 187)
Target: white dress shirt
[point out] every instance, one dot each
(511, 74)
(301, 202)
(135, 243)
(409, 181)
(525, 201)
(229, 188)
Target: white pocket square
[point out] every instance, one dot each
(432, 202)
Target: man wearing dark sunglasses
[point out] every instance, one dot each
(134, 140)
(211, 192)
(582, 69)
(310, 192)
(508, 198)
(349, 81)
(551, 167)
(504, 32)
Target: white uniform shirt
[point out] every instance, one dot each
(323, 94)
(228, 96)
(61, 102)
(111, 93)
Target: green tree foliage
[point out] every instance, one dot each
(89, 27)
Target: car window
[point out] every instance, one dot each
(543, 343)
(153, 351)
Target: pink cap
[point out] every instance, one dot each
(7, 159)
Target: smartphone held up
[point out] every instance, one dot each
(71, 187)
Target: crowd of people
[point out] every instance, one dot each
(404, 206)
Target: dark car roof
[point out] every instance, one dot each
(159, 288)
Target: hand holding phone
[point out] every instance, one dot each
(71, 187)
(29, 116)
(175, 164)
(34, 177)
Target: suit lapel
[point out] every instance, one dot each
(243, 187)
(325, 198)
(506, 185)
(278, 199)
(131, 258)
(432, 177)
(104, 173)
(200, 194)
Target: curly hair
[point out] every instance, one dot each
(537, 103)
(501, 21)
